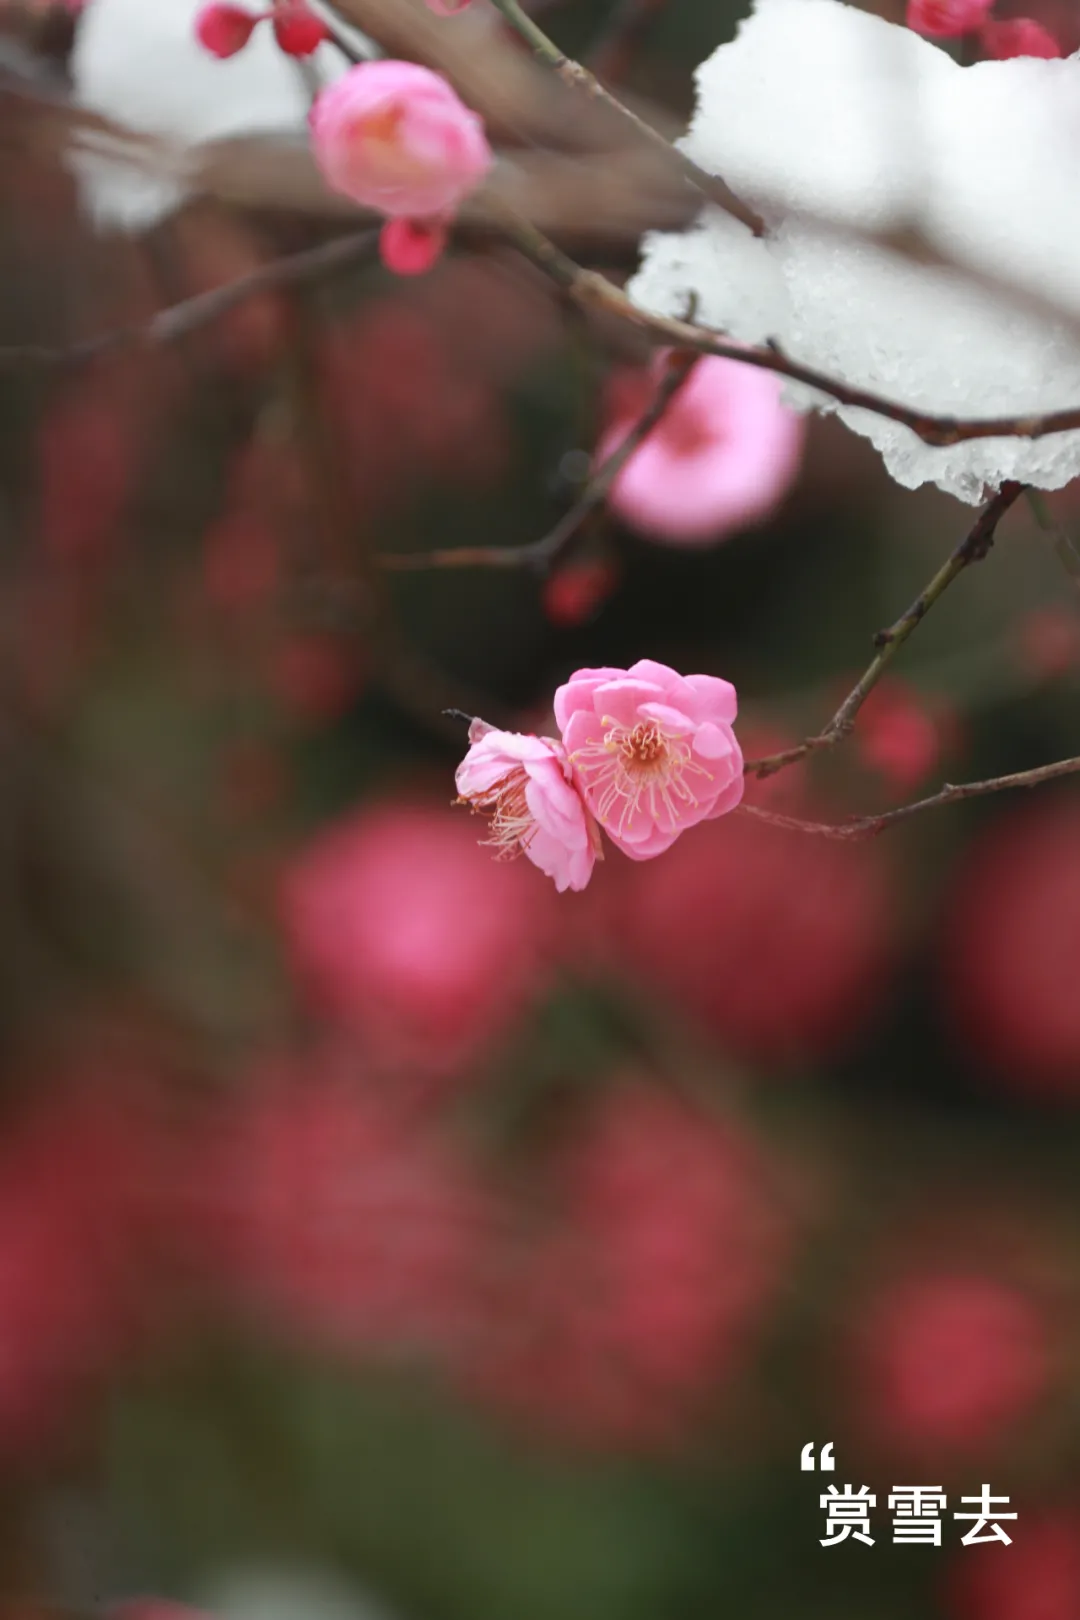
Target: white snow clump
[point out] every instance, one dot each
(138, 63)
(819, 109)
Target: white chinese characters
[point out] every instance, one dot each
(848, 1514)
(916, 1514)
(985, 1519)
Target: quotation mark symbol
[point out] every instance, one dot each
(825, 1462)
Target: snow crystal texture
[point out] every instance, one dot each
(819, 109)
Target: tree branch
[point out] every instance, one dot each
(579, 78)
(973, 548)
(595, 292)
(540, 554)
(861, 827)
(176, 322)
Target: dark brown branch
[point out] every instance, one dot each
(710, 186)
(595, 292)
(540, 554)
(860, 827)
(179, 320)
(973, 548)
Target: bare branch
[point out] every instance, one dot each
(861, 827)
(572, 73)
(169, 325)
(973, 548)
(540, 554)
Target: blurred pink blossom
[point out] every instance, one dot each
(1018, 36)
(652, 751)
(338, 1216)
(721, 459)
(1039, 1579)
(947, 19)
(575, 593)
(1010, 957)
(640, 1298)
(82, 1179)
(779, 943)
(447, 8)
(407, 933)
(951, 1359)
(395, 137)
(526, 786)
(899, 736)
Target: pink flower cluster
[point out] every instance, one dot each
(224, 28)
(644, 753)
(395, 137)
(951, 19)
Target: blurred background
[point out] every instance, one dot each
(381, 1233)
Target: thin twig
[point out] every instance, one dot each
(179, 320)
(573, 74)
(1064, 548)
(973, 548)
(859, 827)
(595, 292)
(540, 554)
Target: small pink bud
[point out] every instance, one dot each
(223, 29)
(447, 8)
(577, 592)
(1019, 36)
(395, 137)
(409, 247)
(297, 29)
(947, 19)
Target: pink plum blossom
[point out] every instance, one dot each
(406, 935)
(652, 751)
(620, 1316)
(395, 137)
(526, 786)
(1018, 36)
(947, 19)
(329, 1210)
(721, 458)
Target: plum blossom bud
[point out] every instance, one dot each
(947, 19)
(224, 29)
(447, 8)
(526, 786)
(409, 247)
(1018, 36)
(720, 459)
(297, 29)
(652, 751)
(395, 137)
